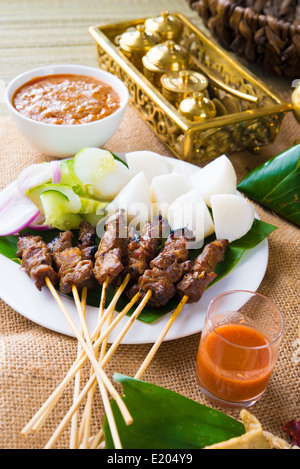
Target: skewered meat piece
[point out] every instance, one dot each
(140, 250)
(87, 240)
(109, 256)
(59, 244)
(75, 271)
(173, 259)
(162, 289)
(72, 268)
(202, 273)
(166, 269)
(36, 259)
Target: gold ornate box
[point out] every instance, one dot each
(239, 124)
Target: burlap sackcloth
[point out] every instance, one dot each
(34, 360)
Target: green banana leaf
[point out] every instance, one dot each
(259, 231)
(164, 419)
(276, 184)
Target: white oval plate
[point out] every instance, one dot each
(20, 293)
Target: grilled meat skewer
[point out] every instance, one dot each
(165, 269)
(36, 259)
(201, 274)
(109, 256)
(73, 267)
(140, 250)
(87, 241)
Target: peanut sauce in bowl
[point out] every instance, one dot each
(60, 109)
(66, 99)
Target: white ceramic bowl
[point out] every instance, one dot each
(66, 140)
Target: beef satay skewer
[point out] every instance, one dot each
(147, 294)
(170, 265)
(101, 376)
(118, 317)
(203, 271)
(108, 265)
(139, 251)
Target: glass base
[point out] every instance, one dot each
(222, 402)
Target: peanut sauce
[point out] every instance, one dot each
(66, 99)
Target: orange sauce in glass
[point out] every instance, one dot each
(230, 372)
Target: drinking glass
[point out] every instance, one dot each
(238, 348)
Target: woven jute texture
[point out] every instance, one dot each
(34, 360)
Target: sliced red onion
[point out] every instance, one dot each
(56, 172)
(16, 211)
(34, 175)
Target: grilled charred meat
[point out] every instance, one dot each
(109, 256)
(36, 259)
(60, 244)
(173, 259)
(140, 250)
(165, 269)
(73, 268)
(87, 241)
(202, 273)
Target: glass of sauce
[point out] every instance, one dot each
(238, 348)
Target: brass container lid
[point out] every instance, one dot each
(166, 25)
(184, 81)
(165, 57)
(197, 108)
(138, 40)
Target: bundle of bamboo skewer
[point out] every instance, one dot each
(93, 348)
(80, 436)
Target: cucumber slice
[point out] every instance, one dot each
(91, 164)
(72, 202)
(92, 206)
(69, 178)
(102, 175)
(55, 206)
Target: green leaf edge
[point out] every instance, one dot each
(272, 169)
(209, 426)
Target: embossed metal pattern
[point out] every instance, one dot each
(239, 124)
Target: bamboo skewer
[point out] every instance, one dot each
(84, 431)
(160, 339)
(97, 439)
(101, 376)
(125, 329)
(39, 418)
(109, 354)
(91, 392)
(73, 436)
(103, 336)
(88, 349)
(90, 382)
